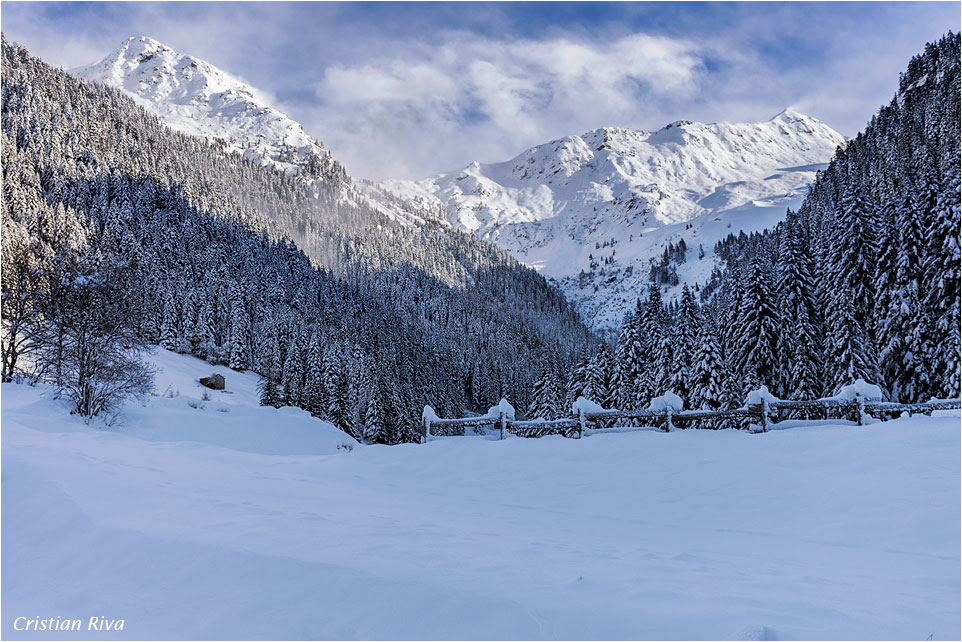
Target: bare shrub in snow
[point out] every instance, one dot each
(98, 351)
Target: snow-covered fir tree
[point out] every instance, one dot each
(706, 377)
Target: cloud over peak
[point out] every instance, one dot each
(519, 92)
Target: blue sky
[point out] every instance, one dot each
(410, 89)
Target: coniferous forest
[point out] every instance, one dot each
(119, 233)
(862, 282)
(350, 315)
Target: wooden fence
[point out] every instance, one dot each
(762, 415)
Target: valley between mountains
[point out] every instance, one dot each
(596, 213)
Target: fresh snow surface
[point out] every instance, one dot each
(823, 530)
(756, 396)
(616, 197)
(666, 401)
(178, 412)
(865, 390)
(587, 406)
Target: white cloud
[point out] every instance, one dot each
(420, 108)
(405, 94)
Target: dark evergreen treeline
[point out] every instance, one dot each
(862, 282)
(346, 313)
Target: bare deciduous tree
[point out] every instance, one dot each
(99, 358)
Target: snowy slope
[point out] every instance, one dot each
(178, 411)
(591, 211)
(196, 98)
(827, 531)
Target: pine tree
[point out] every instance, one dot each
(169, 337)
(240, 331)
(577, 383)
(942, 272)
(848, 355)
(544, 396)
(652, 330)
(292, 377)
(270, 375)
(188, 320)
(335, 400)
(598, 377)
(852, 253)
(399, 428)
(630, 360)
(756, 330)
(797, 345)
(686, 342)
(375, 428)
(204, 331)
(899, 316)
(707, 377)
(314, 395)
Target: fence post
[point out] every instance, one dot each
(581, 422)
(859, 408)
(668, 425)
(764, 414)
(426, 418)
(501, 422)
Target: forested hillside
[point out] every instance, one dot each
(173, 240)
(861, 282)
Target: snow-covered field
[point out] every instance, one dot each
(253, 523)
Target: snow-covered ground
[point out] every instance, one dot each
(252, 523)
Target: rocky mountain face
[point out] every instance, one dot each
(598, 212)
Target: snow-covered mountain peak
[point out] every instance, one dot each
(564, 205)
(196, 98)
(152, 69)
(790, 115)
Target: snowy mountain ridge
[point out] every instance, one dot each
(592, 211)
(196, 98)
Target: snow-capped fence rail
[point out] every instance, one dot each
(857, 408)
(666, 416)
